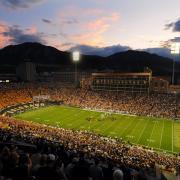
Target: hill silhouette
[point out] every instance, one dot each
(128, 61)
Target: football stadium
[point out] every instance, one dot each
(89, 90)
(112, 119)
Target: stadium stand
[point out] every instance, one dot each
(32, 151)
(66, 154)
(157, 105)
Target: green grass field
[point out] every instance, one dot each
(160, 134)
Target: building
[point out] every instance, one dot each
(129, 82)
(26, 71)
(159, 85)
(63, 77)
(6, 78)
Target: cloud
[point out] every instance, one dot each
(89, 24)
(169, 26)
(101, 51)
(68, 44)
(47, 21)
(97, 25)
(16, 35)
(101, 24)
(3, 40)
(109, 50)
(162, 51)
(167, 44)
(69, 21)
(15, 4)
(89, 38)
(92, 32)
(175, 26)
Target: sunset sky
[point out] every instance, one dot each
(93, 24)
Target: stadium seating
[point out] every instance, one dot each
(32, 151)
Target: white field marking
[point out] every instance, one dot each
(113, 112)
(69, 116)
(79, 113)
(172, 136)
(109, 127)
(151, 132)
(129, 124)
(112, 132)
(134, 128)
(37, 118)
(47, 120)
(58, 122)
(151, 140)
(129, 136)
(177, 135)
(162, 131)
(102, 125)
(142, 132)
(69, 124)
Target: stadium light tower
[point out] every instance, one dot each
(175, 50)
(76, 58)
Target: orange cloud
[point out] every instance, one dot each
(97, 25)
(15, 35)
(31, 30)
(91, 38)
(94, 30)
(114, 17)
(102, 23)
(3, 39)
(92, 24)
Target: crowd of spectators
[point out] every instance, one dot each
(158, 105)
(57, 153)
(61, 154)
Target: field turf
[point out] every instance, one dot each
(160, 134)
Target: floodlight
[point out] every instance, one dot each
(175, 48)
(76, 56)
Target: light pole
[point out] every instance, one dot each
(175, 50)
(76, 58)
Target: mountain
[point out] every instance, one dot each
(136, 60)
(44, 55)
(47, 56)
(35, 52)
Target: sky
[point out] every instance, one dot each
(100, 27)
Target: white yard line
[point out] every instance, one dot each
(134, 128)
(173, 136)
(151, 133)
(129, 124)
(162, 131)
(142, 132)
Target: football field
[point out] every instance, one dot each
(160, 134)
